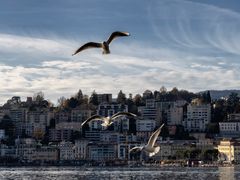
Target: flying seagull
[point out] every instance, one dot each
(149, 148)
(104, 45)
(107, 121)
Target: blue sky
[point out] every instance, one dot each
(192, 45)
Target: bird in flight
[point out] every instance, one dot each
(107, 121)
(149, 148)
(104, 45)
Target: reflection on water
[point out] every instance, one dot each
(168, 173)
(228, 173)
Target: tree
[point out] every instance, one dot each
(147, 94)
(232, 102)
(195, 153)
(8, 126)
(157, 95)
(61, 102)
(179, 154)
(38, 134)
(72, 103)
(163, 90)
(94, 98)
(38, 97)
(210, 155)
(85, 100)
(212, 128)
(79, 96)
(219, 111)
(138, 100)
(206, 97)
(174, 91)
(131, 106)
(121, 98)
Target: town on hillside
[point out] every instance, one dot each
(197, 130)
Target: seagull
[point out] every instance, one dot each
(107, 121)
(104, 45)
(149, 148)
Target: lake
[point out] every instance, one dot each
(140, 173)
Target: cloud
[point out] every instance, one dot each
(189, 45)
(196, 26)
(110, 74)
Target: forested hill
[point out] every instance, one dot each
(217, 94)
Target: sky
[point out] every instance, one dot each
(188, 44)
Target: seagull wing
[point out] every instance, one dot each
(94, 117)
(117, 34)
(154, 136)
(87, 46)
(135, 149)
(122, 114)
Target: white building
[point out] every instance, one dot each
(175, 115)
(231, 128)
(80, 149)
(149, 111)
(198, 116)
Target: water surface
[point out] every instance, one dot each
(140, 173)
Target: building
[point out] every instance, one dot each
(226, 150)
(81, 149)
(74, 126)
(2, 134)
(102, 152)
(79, 115)
(104, 98)
(234, 117)
(107, 110)
(110, 109)
(66, 150)
(124, 148)
(174, 115)
(62, 116)
(7, 151)
(40, 117)
(56, 135)
(149, 111)
(25, 149)
(145, 125)
(18, 116)
(46, 154)
(92, 135)
(229, 150)
(229, 128)
(165, 151)
(198, 116)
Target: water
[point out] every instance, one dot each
(149, 173)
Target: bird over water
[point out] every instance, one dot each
(104, 45)
(150, 148)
